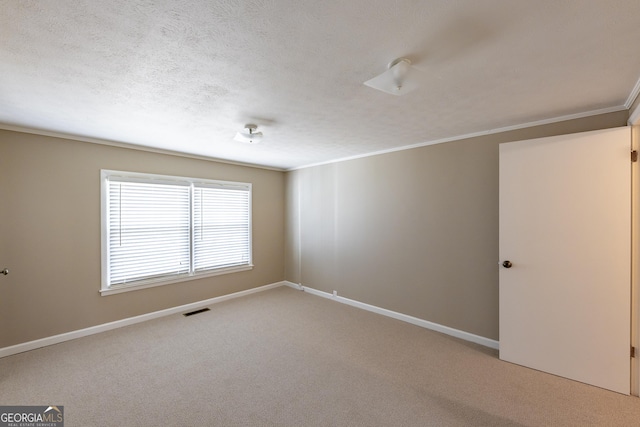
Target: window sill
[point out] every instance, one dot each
(117, 289)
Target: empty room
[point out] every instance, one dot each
(296, 213)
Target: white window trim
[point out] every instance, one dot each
(105, 174)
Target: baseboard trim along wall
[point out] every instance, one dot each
(55, 339)
(487, 342)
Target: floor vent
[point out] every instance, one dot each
(191, 313)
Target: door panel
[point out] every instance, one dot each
(565, 224)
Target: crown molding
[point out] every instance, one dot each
(633, 95)
(470, 135)
(633, 119)
(62, 135)
(634, 114)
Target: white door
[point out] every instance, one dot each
(565, 226)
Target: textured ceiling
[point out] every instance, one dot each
(187, 75)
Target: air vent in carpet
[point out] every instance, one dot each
(191, 313)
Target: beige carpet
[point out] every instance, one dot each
(286, 358)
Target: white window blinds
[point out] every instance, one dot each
(148, 231)
(163, 229)
(221, 227)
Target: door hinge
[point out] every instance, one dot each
(634, 156)
(633, 351)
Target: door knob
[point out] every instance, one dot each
(5, 271)
(507, 264)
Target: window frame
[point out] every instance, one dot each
(192, 183)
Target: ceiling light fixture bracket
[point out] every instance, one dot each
(397, 80)
(249, 134)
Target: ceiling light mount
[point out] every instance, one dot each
(397, 80)
(249, 135)
(397, 61)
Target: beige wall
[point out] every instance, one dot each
(413, 231)
(50, 235)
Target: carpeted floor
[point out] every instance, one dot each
(287, 358)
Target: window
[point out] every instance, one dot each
(160, 229)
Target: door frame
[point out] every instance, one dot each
(635, 259)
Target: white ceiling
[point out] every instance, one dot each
(186, 75)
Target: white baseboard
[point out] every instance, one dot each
(55, 339)
(32, 345)
(487, 342)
